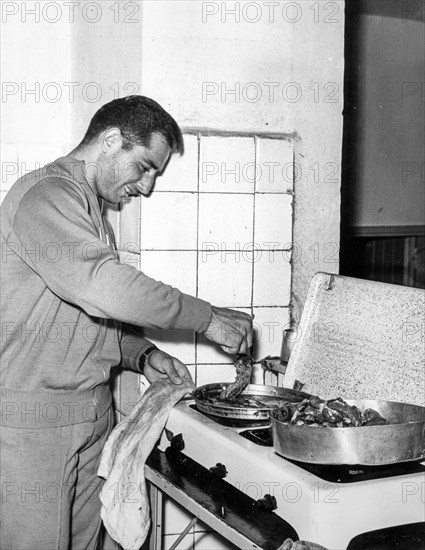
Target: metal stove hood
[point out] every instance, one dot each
(360, 339)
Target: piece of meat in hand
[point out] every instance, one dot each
(243, 366)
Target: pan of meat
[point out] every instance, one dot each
(252, 406)
(241, 403)
(363, 432)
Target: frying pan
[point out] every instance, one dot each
(253, 405)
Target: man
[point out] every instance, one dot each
(69, 312)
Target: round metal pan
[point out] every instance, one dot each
(252, 405)
(402, 440)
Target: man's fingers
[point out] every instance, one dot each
(230, 350)
(162, 365)
(231, 329)
(243, 347)
(171, 371)
(182, 371)
(250, 339)
(240, 346)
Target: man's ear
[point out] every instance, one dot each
(111, 141)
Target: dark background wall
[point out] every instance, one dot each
(383, 191)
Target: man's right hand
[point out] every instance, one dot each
(231, 329)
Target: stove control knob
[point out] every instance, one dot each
(219, 470)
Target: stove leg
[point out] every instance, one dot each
(155, 540)
(184, 533)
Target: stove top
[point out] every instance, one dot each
(260, 433)
(324, 504)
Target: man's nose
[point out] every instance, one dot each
(147, 182)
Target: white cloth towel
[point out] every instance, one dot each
(125, 504)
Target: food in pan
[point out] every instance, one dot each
(242, 401)
(243, 366)
(334, 413)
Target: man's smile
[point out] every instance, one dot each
(130, 192)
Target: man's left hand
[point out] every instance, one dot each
(161, 365)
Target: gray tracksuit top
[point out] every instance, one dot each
(64, 293)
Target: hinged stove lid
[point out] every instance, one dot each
(360, 339)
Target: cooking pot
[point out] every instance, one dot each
(401, 440)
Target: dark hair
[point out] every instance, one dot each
(138, 117)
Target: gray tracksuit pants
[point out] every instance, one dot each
(50, 447)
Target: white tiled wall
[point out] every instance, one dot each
(219, 226)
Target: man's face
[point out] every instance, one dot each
(125, 173)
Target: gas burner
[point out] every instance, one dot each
(344, 473)
(348, 473)
(259, 437)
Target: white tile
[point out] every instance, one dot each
(186, 543)
(227, 164)
(225, 278)
(66, 148)
(271, 379)
(169, 221)
(112, 214)
(209, 352)
(213, 374)
(273, 221)
(192, 371)
(175, 518)
(274, 166)
(181, 172)
(34, 157)
(225, 221)
(269, 324)
(175, 268)
(127, 257)
(177, 343)
(257, 376)
(272, 279)
(212, 541)
(129, 232)
(9, 166)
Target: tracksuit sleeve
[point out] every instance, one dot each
(55, 235)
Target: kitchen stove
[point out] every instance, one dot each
(357, 340)
(326, 505)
